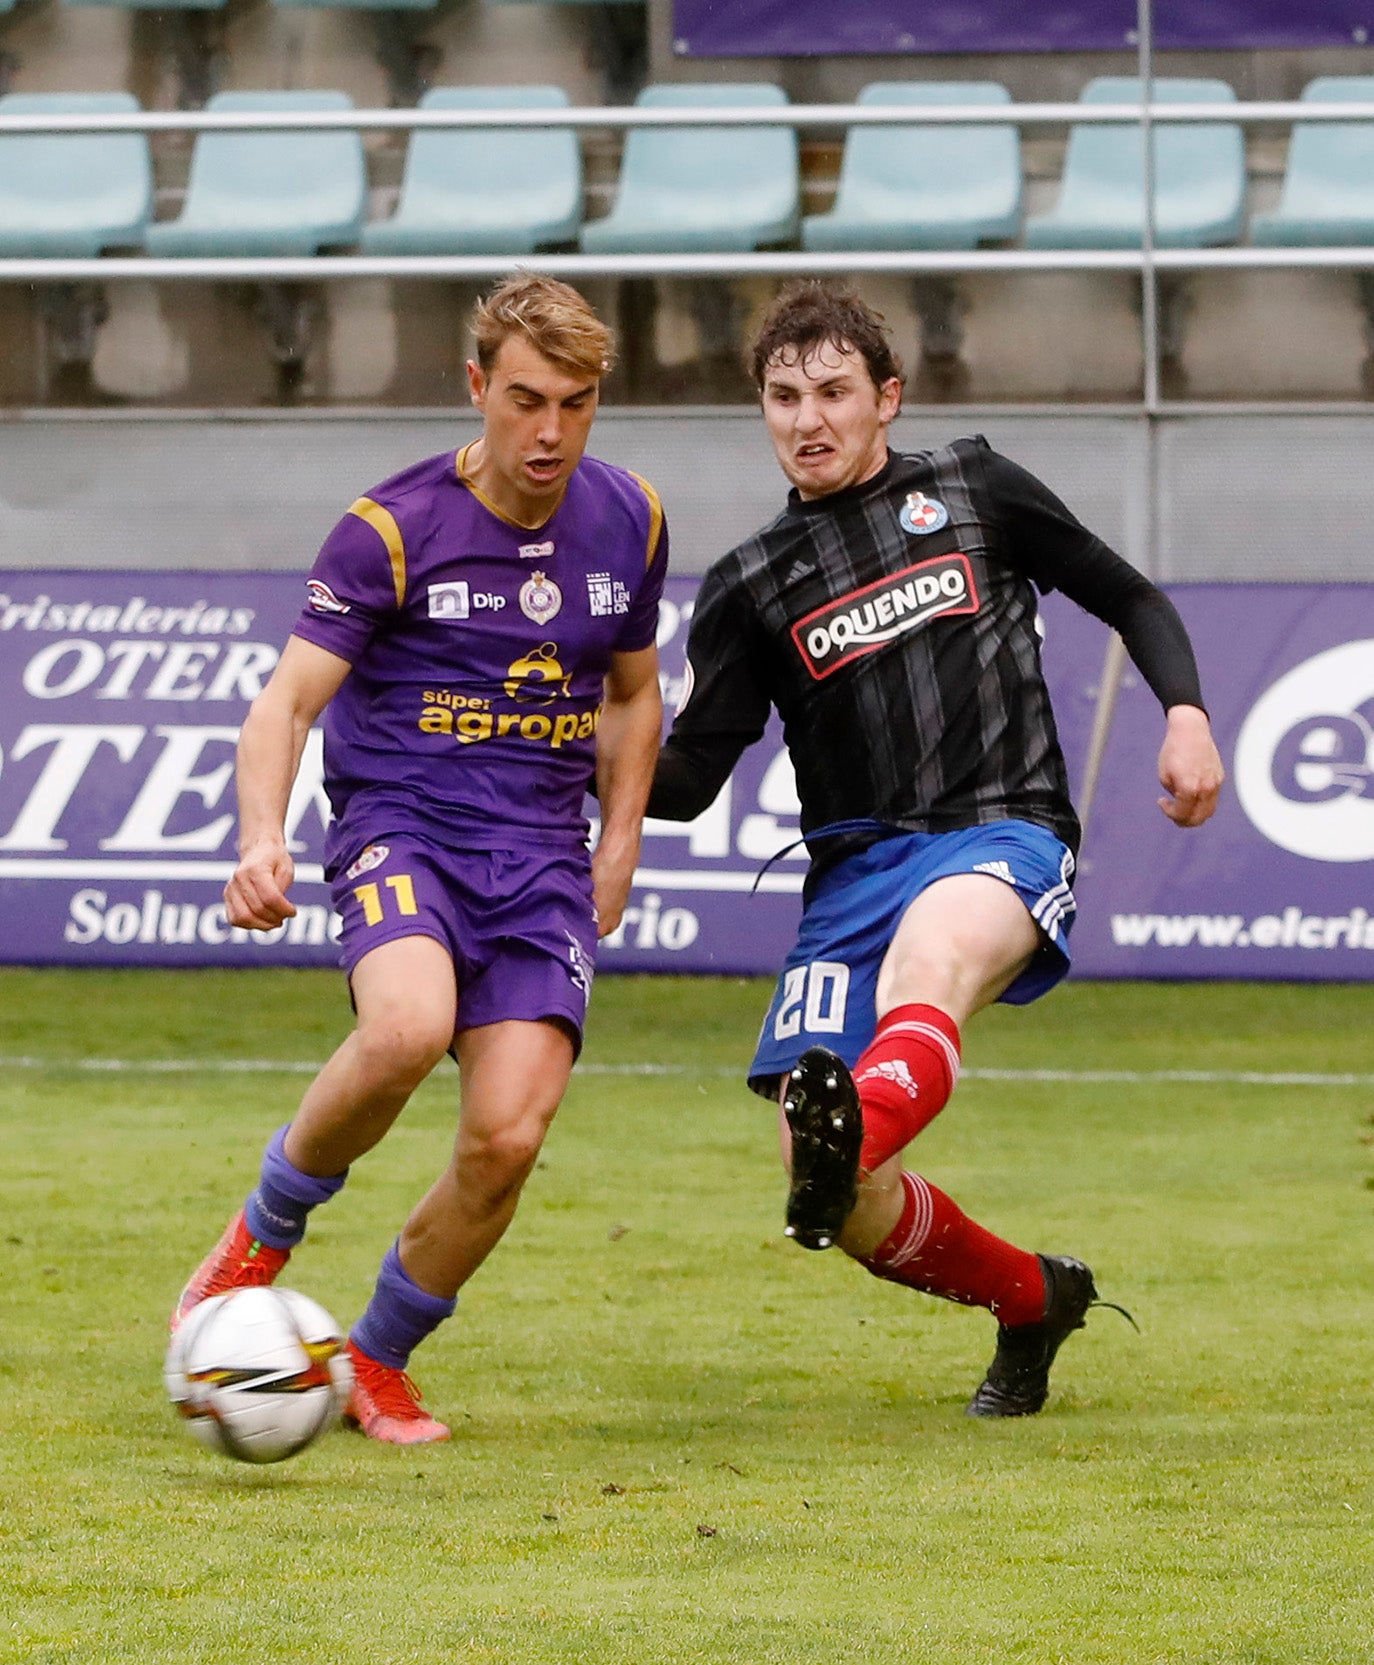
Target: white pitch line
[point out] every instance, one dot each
(288, 1066)
(1236, 1078)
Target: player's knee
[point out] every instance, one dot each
(506, 1151)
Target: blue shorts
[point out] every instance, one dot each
(520, 927)
(827, 990)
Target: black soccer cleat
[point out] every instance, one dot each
(1018, 1379)
(822, 1109)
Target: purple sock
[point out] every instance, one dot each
(399, 1316)
(277, 1210)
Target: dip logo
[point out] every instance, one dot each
(1304, 763)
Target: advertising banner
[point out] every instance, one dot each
(812, 28)
(1280, 884)
(121, 695)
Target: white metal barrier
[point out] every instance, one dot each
(781, 263)
(827, 116)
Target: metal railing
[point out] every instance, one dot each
(780, 263)
(617, 117)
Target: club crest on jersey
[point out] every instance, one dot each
(921, 514)
(540, 598)
(323, 599)
(867, 619)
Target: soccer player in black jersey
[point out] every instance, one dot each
(889, 614)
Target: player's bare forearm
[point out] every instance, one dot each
(270, 746)
(626, 750)
(1190, 767)
(271, 742)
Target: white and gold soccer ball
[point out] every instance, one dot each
(258, 1374)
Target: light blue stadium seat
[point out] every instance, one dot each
(698, 189)
(924, 186)
(72, 195)
(1199, 170)
(1328, 186)
(487, 190)
(269, 193)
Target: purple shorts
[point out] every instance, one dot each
(519, 926)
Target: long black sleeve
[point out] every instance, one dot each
(1059, 553)
(725, 709)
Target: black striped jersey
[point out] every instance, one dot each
(893, 625)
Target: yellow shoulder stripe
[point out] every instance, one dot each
(383, 523)
(655, 517)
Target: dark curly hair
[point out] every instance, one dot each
(808, 314)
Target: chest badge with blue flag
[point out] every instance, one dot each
(921, 514)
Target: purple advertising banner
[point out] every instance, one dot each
(121, 695)
(812, 28)
(1280, 883)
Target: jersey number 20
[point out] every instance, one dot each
(813, 997)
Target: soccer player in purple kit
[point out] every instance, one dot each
(480, 636)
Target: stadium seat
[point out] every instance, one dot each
(924, 187)
(1199, 170)
(269, 193)
(698, 189)
(1328, 186)
(485, 190)
(72, 194)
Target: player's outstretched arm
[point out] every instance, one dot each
(626, 750)
(269, 753)
(1190, 768)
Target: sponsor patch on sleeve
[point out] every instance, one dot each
(323, 599)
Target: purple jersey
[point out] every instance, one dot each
(479, 650)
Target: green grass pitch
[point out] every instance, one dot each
(678, 1438)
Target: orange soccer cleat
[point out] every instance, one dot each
(385, 1404)
(238, 1261)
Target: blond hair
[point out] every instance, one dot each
(552, 316)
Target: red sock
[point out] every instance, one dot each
(904, 1078)
(937, 1249)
